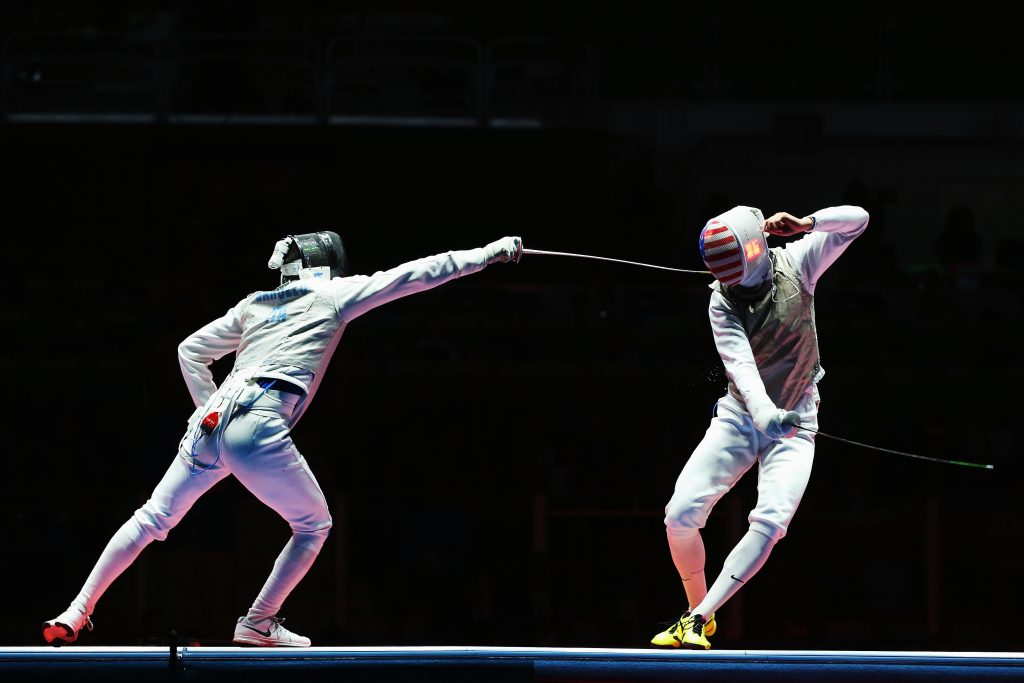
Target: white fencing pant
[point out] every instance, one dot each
(256, 447)
(730, 447)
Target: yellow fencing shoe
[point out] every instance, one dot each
(673, 636)
(695, 633)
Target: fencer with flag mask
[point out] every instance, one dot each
(283, 340)
(762, 319)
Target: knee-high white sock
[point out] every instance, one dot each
(687, 549)
(289, 568)
(743, 562)
(122, 549)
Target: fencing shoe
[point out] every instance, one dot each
(673, 635)
(266, 632)
(695, 633)
(65, 628)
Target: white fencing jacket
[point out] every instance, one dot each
(291, 333)
(770, 346)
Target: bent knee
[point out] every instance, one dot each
(312, 539)
(155, 522)
(774, 532)
(319, 524)
(684, 520)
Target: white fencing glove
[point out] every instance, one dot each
(504, 250)
(777, 423)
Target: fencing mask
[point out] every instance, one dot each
(734, 248)
(311, 255)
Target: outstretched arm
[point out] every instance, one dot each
(831, 231)
(358, 294)
(212, 341)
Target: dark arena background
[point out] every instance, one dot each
(497, 453)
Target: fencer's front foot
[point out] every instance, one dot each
(673, 636)
(266, 633)
(696, 632)
(64, 629)
(505, 250)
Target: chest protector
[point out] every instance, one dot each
(780, 327)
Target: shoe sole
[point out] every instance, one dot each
(56, 633)
(709, 630)
(256, 642)
(674, 645)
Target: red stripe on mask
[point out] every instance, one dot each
(732, 254)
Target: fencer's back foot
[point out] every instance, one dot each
(57, 634)
(65, 628)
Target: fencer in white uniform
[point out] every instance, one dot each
(762, 318)
(283, 340)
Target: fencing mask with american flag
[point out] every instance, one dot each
(733, 247)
